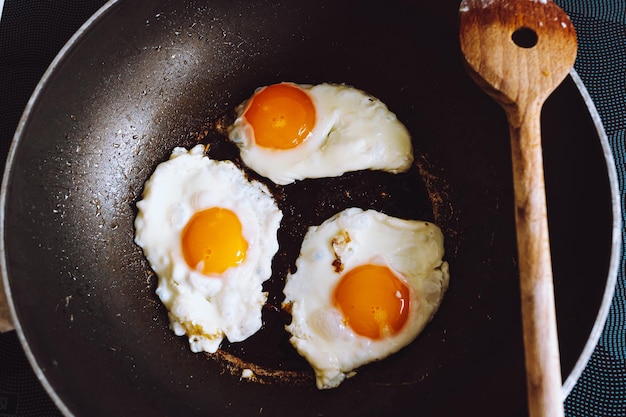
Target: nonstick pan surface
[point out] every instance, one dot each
(143, 77)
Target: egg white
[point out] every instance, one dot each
(353, 131)
(412, 249)
(207, 308)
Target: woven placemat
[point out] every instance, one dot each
(601, 64)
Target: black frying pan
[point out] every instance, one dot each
(144, 77)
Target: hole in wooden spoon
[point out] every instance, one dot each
(525, 37)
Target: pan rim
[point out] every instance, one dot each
(60, 56)
(616, 242)
(568, 384)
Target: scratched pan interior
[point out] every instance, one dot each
(145, 77)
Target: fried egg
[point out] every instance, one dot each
(210, 235)
(366, 285)
(288, 132)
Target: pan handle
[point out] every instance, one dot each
(6, 324)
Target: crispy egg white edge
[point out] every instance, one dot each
(233, 301)
(370, 136)
(334, 350)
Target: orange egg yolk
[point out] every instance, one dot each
(212, 241)
(373, 300)
(281, 115)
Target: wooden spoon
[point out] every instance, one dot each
(519, 51)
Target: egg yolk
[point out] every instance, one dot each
(281, 115)
(373, 300)
(212, 241)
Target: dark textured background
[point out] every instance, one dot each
(33, 31)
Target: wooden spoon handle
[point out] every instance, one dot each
(519, 51)
(541, 345)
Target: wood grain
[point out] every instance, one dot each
(520, 74)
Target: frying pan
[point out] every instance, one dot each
(143, 77)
